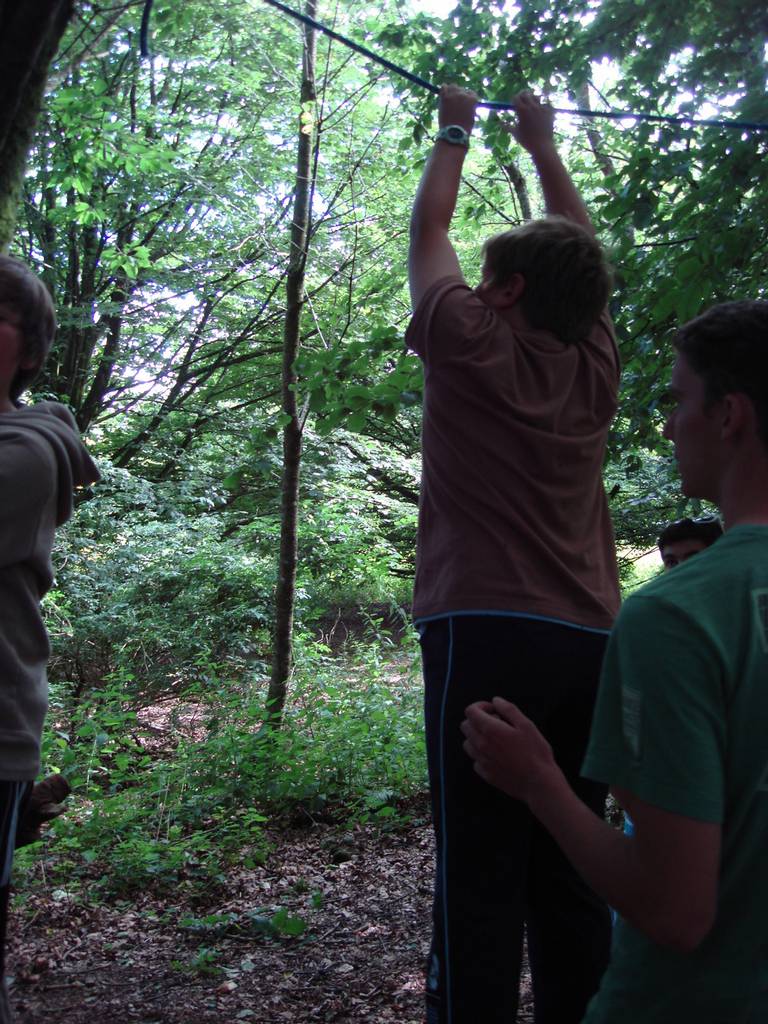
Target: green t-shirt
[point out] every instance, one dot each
(682, 723)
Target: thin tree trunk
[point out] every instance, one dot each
(30, 31)
(285, 596)
(604, 161)
(517, 183)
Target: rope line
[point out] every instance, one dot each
(354, 46)
(615, 115)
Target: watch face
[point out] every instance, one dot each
(455, 134)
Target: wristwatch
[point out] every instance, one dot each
(455, 134)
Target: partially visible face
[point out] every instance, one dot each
(677, 551)
(11, 349)
(694, 430)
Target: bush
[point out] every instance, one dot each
(146, 816)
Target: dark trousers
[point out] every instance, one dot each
(498, 871)
(13, 795)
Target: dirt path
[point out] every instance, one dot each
(364, 897)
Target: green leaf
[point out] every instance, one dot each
(286, 924)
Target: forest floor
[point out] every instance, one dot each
(363, 894)
(360, 897)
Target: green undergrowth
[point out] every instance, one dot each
(181, 806)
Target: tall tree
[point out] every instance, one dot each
(285, 595)
(159, 195)
(29, 37)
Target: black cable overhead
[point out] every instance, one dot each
(615, 115)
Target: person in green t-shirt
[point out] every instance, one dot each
(678, 542)
(681, 725)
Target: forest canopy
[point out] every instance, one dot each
(159, 204)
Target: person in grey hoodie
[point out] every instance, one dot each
(42, 460)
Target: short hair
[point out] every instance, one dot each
(706, 530)
(24, 292)
(567, 277)
(728, 348)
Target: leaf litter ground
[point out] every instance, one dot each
(363, 894)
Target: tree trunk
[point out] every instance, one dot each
(517, 183)
(285, 595)
(30, 31)
(604, 161)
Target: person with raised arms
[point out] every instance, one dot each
(516, 582)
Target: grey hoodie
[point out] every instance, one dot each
(42, 460)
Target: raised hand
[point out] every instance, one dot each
(535, 123)
(457, 106)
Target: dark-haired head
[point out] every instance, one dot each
(728, 348)
(705, 530)
(25, 293)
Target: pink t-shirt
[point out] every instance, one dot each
(513, 515)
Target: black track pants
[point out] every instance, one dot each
(498, 870)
